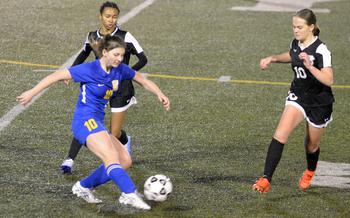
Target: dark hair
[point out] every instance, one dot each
(108, 4)
(109, 42)
(310, 18)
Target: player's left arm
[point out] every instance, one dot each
(152, 87)
(142, 61)
(136, 50)
(324, 75)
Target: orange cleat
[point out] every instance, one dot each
(305, 180)
(262, 185)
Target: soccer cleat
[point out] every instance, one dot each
(262, 185)
(128, 145)
(134, 200)
(67, 166)
(84, 193)
(305, 180)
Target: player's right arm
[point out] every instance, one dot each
(85, 52)
(27, 96)
(281, 58)
(83, 55)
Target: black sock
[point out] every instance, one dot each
(123, 137)
(312, 159)
(273, 156)
(74, 149)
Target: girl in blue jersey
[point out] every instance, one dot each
(99, 82)
(124, 98)
(310, 97)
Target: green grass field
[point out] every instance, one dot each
(213, 141)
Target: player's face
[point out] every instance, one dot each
(301, 30)
(114, 57)
(109, 18)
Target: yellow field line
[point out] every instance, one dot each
(182, 77)
(27, 64)
(254, 82)
(178, 77)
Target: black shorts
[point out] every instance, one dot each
(318, 117)
(124, 97)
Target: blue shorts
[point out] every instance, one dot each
(82, 128)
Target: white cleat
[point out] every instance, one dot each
(84, 193)
(67, 166)
(134, 200)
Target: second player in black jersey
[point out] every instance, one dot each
(310, 97)
(124, 98)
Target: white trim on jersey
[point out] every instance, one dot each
(131, 39)
(121, 109)
(112, 34)
(86, 42)
(301, 109)
(304, 47)
(83, 92)
(326, 55)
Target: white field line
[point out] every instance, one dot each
(284, 6)
(224, 79)
(16, 110)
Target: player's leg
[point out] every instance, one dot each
(318, 118)
(67, 164)
(290, 118)
(119, 106)
(312, 150)
(106, 148)
(100, 176)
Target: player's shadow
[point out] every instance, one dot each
(116, 208)
(215, 178)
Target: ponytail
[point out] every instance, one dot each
(107, 42)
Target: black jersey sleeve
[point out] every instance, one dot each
(82, 55)
(85, 52)
(142, 61)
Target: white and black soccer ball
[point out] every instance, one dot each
(157, 188)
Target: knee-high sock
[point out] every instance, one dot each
(273, 157)
(121, 178)
(96, 178)
(312, 159)
(123, 137)
(74, 149)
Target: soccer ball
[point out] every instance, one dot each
(157, 188)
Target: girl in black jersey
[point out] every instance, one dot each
(310, 97)
(119, 104)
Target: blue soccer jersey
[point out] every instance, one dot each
(96, 88)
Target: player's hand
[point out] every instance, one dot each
(66, 81)
(25, 97)
(165, 101)
(306, 59)
(264, 63)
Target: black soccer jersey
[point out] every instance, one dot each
(312, 92)
(132, 45)
(126, 88)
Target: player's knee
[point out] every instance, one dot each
(126, 163)
(281, 137)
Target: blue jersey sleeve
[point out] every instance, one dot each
(83, 72)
